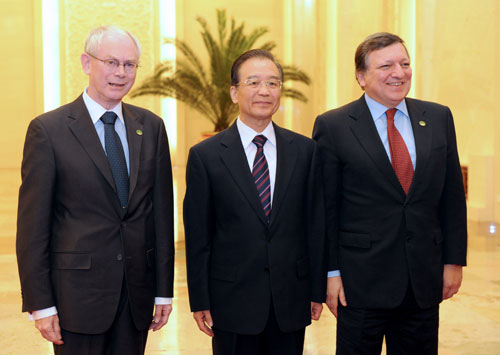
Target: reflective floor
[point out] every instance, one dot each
(470, 321)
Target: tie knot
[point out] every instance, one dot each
(390, 113)
(109, 117)
(259, 140)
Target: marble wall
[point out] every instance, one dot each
(454, 45)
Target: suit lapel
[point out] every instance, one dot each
(423, 138)
(83, 129)
(234, 158)
(366, 133)
(286, 159)
(133, 125)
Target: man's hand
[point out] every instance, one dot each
(452, 279)
(204, 321)
(160, 318)
(49, 328)
(316, 309)
(334, 293)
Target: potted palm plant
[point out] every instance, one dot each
(207, 89)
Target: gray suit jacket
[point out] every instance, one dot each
(75, 245)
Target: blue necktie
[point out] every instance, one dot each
(260, 174)
(116, 157)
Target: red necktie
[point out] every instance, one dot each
(401, 161)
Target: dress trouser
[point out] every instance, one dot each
(272, 341)
(408, 329)
(122, 338)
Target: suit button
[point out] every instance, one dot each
(119, 257)
(266, 268)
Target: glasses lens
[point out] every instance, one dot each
(111, 64)
(273, 84)
(130, 67)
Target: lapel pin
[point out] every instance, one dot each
(139, 132)
(422, 123)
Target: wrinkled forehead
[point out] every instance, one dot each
(257, 67)
(118, 44)
(394, 51)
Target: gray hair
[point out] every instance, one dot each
(94, 39)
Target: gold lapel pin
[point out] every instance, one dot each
(139, 132)
(422, 123)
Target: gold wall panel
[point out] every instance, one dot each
(78, 17)
(457, 65)
(454, 45)
(20, 87)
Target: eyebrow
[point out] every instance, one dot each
(126, 61)
(257, 77)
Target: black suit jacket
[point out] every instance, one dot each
(378, 237)
(237, 263)
(74, 243)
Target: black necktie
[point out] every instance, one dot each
(116, 157)
(260, 174)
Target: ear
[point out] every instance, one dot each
(360, 77)
(234, 94)
(85, 59)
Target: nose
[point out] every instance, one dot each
(263, 89)
(398, 71)
(120, 70)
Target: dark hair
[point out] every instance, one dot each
(372, 43)
(252, 53)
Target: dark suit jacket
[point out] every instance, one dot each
(74, 243)
(237, 263)
(378, 237)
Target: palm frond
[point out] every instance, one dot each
(293, 93)
(291, 72)
(207, 90)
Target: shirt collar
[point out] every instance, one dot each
(247, 134)
(96, 110)
(377, 110)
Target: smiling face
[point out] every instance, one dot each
(387, 78)
(108, 87)
(257, 105)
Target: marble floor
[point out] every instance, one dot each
(470, 321)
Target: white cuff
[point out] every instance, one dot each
(163, 300)
(42, 313)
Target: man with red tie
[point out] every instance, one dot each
(395, 205)
(254, 222)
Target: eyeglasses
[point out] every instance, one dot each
(272, 84)
(113, 64)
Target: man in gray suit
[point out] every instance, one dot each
(95, 221)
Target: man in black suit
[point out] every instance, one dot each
(95, 221)
(254, 224)
(395, 203)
